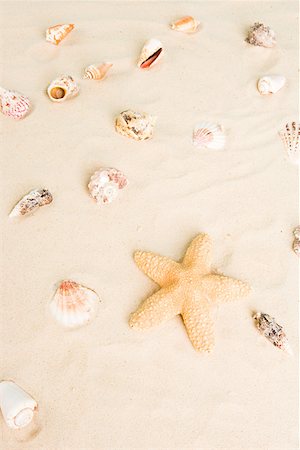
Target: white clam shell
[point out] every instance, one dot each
(209, 135)
(139, 126)
(13, 104)
(290, 137)
(16, 405)
(62, 88)
(105, 184)
(151, 53)
(270, 84)
(74, 305)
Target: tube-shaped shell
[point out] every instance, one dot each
(57, 33)
(13, 104)
(186, 24)
(32, 201)
(150, 54)
(74, 305)
(97, 71)
(290, 137)
(269, 328)
(105, 184)
(261, 35)
(62, 88)
(139, 126)
(209, 135)
(16, 405)
(270, 84)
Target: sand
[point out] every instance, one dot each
(106, 386)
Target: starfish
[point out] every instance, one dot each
(189, 288)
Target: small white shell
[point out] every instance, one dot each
(13, 104)
(290, 137)
(269, 328)
(105, 184)
(139, 126)
(62, 88)
(57, 33)
(32, 201)
(16, 405)
(186, 25)
(73, 305)
(97, 71)
(270, 84)
(150, 54)
(209, 135)
(261, 35)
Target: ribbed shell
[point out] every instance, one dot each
(208, 135)
(105, 184)
(97, 71)
(290, 137)
(13, 104)
(57, 33)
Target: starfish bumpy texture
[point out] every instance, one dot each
(189, 288)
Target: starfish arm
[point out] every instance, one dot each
(222, 289)
(160, 269)
(199, 253)
(160, 307)
(199, 325)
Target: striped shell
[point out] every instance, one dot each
(290, 137)
(13, 104)
(74, 305)
(31, 202)
(57, 33)
(105, 184)
(17, 407)
(208, 135)
(186, 25)
(97, 72)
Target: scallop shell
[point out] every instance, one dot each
(186, 25)
(105, 184)
(97, 72)
(261, 35)
(13, 104)
(32, 201)
(62, 88)
(151, 54)
(57, 33)
(270, 84)
(139, 126)
(290, 137)
(18, 407)
(209, 135)
(269, 328)
(74, 305)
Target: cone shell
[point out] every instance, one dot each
(186, 25)
(62, 88)
(261, 35)
(97, 72)
(74, 305)
(16, 405)
(270, 84)
(209, 135)
(138, 126)
(105, 184)
(57, 33)
(269, 328)
(290, 137)
(31, 202)
(13, 104)
(150, 54)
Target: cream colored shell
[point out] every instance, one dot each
(62, 88)
(186, 24)
(16, 405)
(270, 84)
(151, 53)
(138, 126)
(97, 71)
(57, 33)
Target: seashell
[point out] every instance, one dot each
(97, 72)
(62, 88)
(105, 184)
(209, 135)
(186, 25)
(74, 305)
(296, 246)
(270, 84)
(139, 126)
(261, 35)
(57, 33)
(18, 407)
(13, 104)
(296, 232)
(290, 137)
(151, 53)
(32, 201)
(269, 328)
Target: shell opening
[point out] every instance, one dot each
(58, 93)
(149, 61)
(23, 418)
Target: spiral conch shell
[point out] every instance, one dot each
(209, 135)
(32, 201)
(186, 25)
(17, 407)
(57, 33)
(105, 184)
(139, 126)
(13, 104)
(62, 88)
(261, 35)
(74, 305)
(290, 137)
(151, 54)
(270, 84)
(97, 72)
